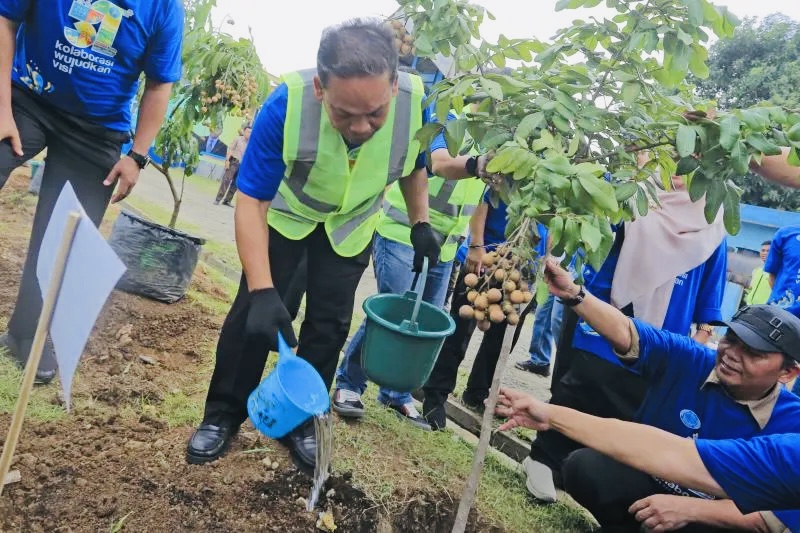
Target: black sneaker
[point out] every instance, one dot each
(473, 404)
(529, 366)
(348, 404)
(410, 414)
(435, 414)
(19, 351)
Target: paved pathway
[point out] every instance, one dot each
(215, 222)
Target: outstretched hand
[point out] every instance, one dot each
(521, 410)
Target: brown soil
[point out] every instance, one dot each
(113, 458)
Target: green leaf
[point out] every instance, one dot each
(740, 158)
(698, 186)
(601, 191)
(542, 292)
(624, 191)
(729, 131)
(590, 235)
(630, 92)
(501, 160)
(456, 129)
(731, 215)
(544, 141)
(685, 140)
(794, 157)
(686, 165)
(755, 119)
(556, 230)
(566, 100)
(492, 88)
(561, 124)
(571, 235)
(762, 144)
(697, 63)
(427, 133)
(714, 198)
(528, 125)
(642, 203)
(696, 17)
(794, 133)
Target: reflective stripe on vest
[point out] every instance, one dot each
(320, 184)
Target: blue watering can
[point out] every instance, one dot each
(288, 396)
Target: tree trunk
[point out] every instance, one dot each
(471, 489)
(176, 199)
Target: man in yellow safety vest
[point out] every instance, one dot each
(324, 147)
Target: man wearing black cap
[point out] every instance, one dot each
(693, 392)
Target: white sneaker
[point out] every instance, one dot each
(410, 414)
(348, 403)
(539, 480)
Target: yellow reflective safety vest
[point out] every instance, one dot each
(321, 187)
(451, 203)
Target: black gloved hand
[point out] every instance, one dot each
(268, 316)
(425, 245)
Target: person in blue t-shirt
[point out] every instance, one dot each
(70, 71)
(694, 392)
(672, 293)
(338, 125)
(487, 230)
(783, 267)
(757, 473)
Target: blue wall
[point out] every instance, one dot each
(759, 224)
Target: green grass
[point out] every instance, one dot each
(40, 406)
(440, 461)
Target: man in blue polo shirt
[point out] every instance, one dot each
(756, 473)
(324, 148)
(69, 71)
(783, 267)
(693, 392)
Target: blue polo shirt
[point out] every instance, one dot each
(783, 262)
(696, 298)
(263, 168)
(683, 400)
(85, 58)
(760, 473)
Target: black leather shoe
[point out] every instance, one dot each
(302, 442)
(19, 351)
(209, 442)
(434, 411)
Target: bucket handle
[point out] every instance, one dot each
(421, 289)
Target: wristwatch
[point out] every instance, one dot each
(471, 166)
(572, 302)
(141, 160)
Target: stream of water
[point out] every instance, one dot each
(323, 426)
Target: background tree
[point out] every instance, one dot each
(222, 76)
(761, 62)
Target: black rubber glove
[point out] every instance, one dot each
(425, 245)
(267, 317)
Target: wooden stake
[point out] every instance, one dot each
(42, 329)
(471, 489)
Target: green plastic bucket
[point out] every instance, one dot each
(403, 337)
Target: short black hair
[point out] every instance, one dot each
(789, 362)
(766, 242)
(356, 48)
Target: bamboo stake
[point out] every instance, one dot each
(471, 489)
(42, 329)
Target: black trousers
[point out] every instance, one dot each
(607, 489)
(330, 294)
(442, 381)
(594, 386)
(78, 152)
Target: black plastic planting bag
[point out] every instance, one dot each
(160, 260)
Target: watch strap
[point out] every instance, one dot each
(572, 302)
(141, 160)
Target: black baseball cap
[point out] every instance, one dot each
(767, 328)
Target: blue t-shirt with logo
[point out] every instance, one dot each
(696, 298)
(679, 401)
(783, 262)
(759, 473)
(85, 57)
(263, 168)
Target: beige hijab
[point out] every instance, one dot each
(659, 247)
